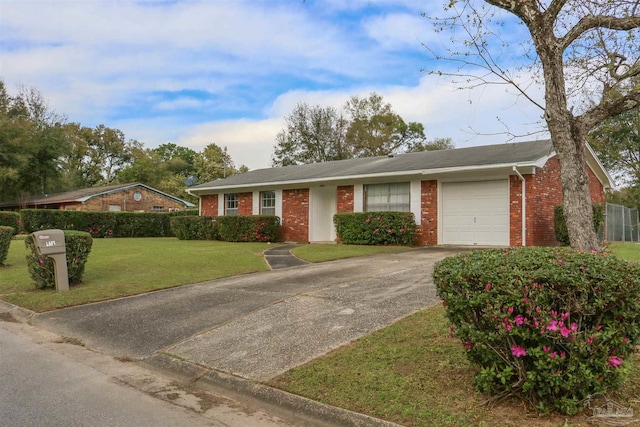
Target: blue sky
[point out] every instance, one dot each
(229, 71)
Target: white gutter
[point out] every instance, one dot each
(524, 205)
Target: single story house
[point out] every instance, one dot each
(132, 197)
(494, 195)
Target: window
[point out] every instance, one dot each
(387, 197)
(231, 204)
(267, 202)
(115, 208)
(158, 208)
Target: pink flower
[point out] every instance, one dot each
(563, 355)
(565, 315)
(559, 261)
(520, 320)
(510, 310)
(487, 288)
(554, 355)
(590, 340)
(565, 332)
(546, 349)
(518, 351)
(614, 361)
(553, 326)
(41, 261)
(467, 345)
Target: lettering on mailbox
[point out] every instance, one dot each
(50, 243)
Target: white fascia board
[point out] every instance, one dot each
(595, 164)
(506, 166)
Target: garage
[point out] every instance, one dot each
(475, 213)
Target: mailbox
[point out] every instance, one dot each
(51, 244)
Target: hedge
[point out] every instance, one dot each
(6, 233)
(78, 246)
(99, 224)
(10, 219)
(551, 326)
(194, 227)
(560, 224)
(376, 228)
(254, 228)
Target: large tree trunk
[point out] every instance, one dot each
(569, 141)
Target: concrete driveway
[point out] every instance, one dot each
(258, 326)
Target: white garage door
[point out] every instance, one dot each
(475, 213)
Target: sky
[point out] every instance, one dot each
(229, 71)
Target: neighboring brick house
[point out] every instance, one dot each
(464, 196)
(133, 197)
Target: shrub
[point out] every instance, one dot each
(6, 233)
(255, 228)
(548, 325)
(10, 219)
(560, 224)
(194, 227)
(99, 224)
(78, 246)
(376, 228)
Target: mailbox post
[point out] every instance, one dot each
(51, 243)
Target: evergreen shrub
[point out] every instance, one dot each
(10, 219)
(78, 246)
(6, 234)
(254, 228)
(194, 227)
(560, 224)
(551, 326)
(376, 228)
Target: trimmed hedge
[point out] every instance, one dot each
(194, 227)
(550, 326)
(99, 224)
(560, 224)
(10, 219)
(376, 228)
(78, 246)
(6, 234)
(254, 228)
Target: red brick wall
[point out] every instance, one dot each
(295, 215)
(515, 211)
(209, 205)
(127, 203)
(245, 203)
(544, 191)
(345, 199)
(428, 230)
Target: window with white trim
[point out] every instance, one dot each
(387, 197)
(267, 202)
(231, 204)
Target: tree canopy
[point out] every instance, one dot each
(42, 153)
(586, 55)
(365, 127)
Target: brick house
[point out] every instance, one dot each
(133, 197)
(464, 196)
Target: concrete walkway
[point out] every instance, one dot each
(281, 257)
(240, 332)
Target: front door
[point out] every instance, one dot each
(322, 201)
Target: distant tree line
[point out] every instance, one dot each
(42, 153)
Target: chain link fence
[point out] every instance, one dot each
(622, 224)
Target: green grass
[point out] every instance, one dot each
(628, 251)
(329, 252)
(123, 267)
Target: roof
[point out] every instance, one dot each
(519, 154)
(85, 194)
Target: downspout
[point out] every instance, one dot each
(524, 205)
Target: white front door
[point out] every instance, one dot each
(322, 201)
(475, 213)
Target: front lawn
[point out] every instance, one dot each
(414, 374)
(130, 266)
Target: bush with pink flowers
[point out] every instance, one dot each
(550, 326)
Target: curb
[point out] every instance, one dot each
(301, 407)
(19, 314)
